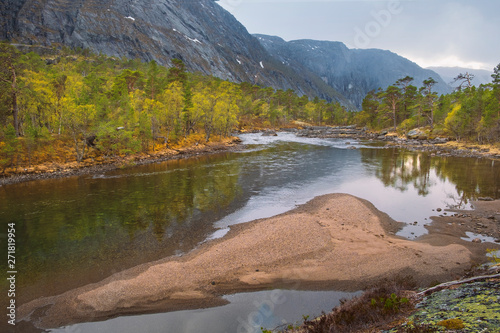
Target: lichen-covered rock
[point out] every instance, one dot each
(473, 307)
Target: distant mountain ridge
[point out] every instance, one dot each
(352, 72)
(448, 74)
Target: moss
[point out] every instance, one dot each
(452, 324)
(476, 306)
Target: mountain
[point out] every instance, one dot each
(352, 72)
(448, 74)
(201, 33)
(209, 40)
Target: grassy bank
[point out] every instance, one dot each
(59, 161)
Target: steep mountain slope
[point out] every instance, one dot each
(448, 74)
(353, 72)
(201, 33)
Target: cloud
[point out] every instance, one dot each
(453, 32)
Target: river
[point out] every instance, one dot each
(78, 230)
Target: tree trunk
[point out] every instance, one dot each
(15, 105)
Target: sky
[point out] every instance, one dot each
(463, 33)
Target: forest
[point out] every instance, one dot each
(96, 105)
(469, 113)
(71, 105)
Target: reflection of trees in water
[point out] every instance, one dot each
(399, 168)
(473, 177)
(79, 221)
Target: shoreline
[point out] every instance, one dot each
(334, 241)
(435, 147)
(438, 146)
(71, 169)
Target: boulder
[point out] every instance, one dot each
(417, 134)
(269, 133)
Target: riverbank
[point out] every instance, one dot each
(437, 147)
(417, 141)
(336, 241)
(103, 164)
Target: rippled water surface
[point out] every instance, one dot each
(78, 230)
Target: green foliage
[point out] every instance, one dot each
(492, 254)
(390, 304)
(80, 95)
(8, 146)
(468, 114)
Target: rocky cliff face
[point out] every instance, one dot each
(210, 40)
(201, 33)
(352, 72)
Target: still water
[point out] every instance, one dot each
(78, 230)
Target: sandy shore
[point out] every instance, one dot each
(333, 242)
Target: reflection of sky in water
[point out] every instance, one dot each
(274, 175)
(342, 173)
(247, 312)
(472, 236)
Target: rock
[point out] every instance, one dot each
(160, 31)
(485, 199)
(418, 134)
(476, 240)
(269, 133)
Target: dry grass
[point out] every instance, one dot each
(377, 308)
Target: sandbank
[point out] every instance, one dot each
(335, 241)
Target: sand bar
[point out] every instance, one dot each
(335, 241)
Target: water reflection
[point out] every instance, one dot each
(246, 312)
(401, 169)
(79, 230)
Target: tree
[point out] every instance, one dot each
(9, 71)
(391, 96)
(59, 84)
(465, 80)
(170, 118)
(370, 109)
(430, 98)
(496, 85)
(156, 80)
(9, 146)
(496, 75)
(177, 72)
(408, 95)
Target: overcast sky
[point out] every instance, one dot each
(450, 33)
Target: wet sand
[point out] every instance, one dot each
(334, 241)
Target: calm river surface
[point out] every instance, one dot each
(78, 230)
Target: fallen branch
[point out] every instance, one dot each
(452, 283)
